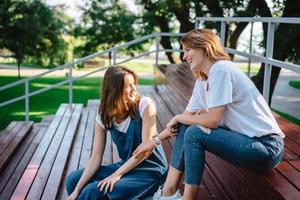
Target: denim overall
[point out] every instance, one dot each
(139, 182)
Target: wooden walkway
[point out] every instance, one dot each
(36, 157)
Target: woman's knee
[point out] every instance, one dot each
(91, 191)
(193, 134)
(181, 130)
(72, 180)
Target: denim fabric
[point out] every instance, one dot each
(177, 158)
(139, 182)
(258, 154)
(90, 191)
(133, 185)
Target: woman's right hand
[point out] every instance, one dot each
(171, 133)
(73, 195)
(172, 124)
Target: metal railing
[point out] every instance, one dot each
(268, 60)
(69, 66)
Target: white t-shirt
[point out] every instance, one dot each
(123, 126)
(246, 111)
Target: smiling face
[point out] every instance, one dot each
(129, 92)
(194, 57)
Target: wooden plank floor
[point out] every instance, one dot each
(11, 174)
(280, 183)
(63, 143)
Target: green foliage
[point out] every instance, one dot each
(106, 23)
(277, 8)
(31, 30)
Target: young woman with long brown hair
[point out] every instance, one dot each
(131, 120)
(226, 115)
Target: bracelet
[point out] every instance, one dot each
(156, 141)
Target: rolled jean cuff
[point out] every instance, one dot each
(191, 183)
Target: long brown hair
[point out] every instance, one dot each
(207, 41)
(112, 101)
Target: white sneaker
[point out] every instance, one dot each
(157, 195)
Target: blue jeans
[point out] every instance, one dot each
(257, 153)
(133, 185)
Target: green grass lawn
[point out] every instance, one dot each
(254, 68)
(295, 84)
(288, 117)
(48, 102)
(14, 64)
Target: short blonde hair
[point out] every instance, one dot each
(207, 41)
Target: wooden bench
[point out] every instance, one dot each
(54, 147)
(222, 180)
(38, 163)
(10, 138)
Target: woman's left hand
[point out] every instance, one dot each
(107, 184)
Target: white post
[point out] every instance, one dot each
(157, 41)
(26, 100)
(197, 23)
(70, 86)
(268, 67)
(114, 55)
(250, 50)
(223, 29)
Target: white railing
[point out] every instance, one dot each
(268, 59)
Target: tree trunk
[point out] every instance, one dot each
(214, 7)
(162, 22)
(19, 70)
(165, 41)
(109, 58)
(182, 13)
(285, 35)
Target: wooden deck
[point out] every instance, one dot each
(36, 157)
(222, 180)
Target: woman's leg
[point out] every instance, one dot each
(190, 192)
(72, 180)
(258, 154)
(176, 164)
(103, 172)
(91, 191)
(172, 182)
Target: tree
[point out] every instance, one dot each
(29, 28)
(105, 24)
(183, 10)
(163, 13)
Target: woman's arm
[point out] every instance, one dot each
(148, 146)
(148, 131)
(209, 119)
(94, 161)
